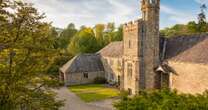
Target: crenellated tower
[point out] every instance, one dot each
(150, 43)
(141, 49)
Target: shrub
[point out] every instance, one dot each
(163, 100)
(100, 80)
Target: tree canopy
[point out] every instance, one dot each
(83, 42)
(26, 51)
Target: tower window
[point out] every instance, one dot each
(129, 70)
(129, 43)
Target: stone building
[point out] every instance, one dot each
(82, 69)
(187, 59)
(144, 60)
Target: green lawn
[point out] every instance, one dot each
(94, 92)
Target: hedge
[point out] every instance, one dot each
(163, 100)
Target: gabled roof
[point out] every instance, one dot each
(188, 49)
(114, 49)
(83, 63)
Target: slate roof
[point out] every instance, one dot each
(114, 49)
(83, 63)
(192, 49)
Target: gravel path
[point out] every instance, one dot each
(73, 102)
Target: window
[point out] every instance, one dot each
(85, 75)
(119, 80)
(129, 43)
(129, 70)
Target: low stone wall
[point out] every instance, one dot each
(191, 78)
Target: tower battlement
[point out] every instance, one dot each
(150, 2)
(131, 26)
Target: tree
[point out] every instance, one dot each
(202, 24)
(118, 34)
(110, 27)
(66, 36)
(192, 27)
(83, 42)
(99, 32)
(26, 51)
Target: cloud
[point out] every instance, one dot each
(201, 1)
(91, 12)
(178, 16)
(86, 12)
(121, 12)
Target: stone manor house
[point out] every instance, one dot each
(144, 60)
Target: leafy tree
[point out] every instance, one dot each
(192, 27)
(66, 36)
(83, 42)
(26, 51)
(202, 24)
(112, 34)
(118, 34)
(99, 32)
(110, 27)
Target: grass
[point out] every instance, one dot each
(94, 92)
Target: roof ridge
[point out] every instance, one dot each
(190, 35)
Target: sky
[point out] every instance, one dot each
(91, 12)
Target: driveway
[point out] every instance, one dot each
(73, 102)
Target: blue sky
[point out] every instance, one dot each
(91, 12)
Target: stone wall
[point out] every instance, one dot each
(113, 68)
(191, 78)
(78, 78)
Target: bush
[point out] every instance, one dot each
(100, 80)
(163, 100)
